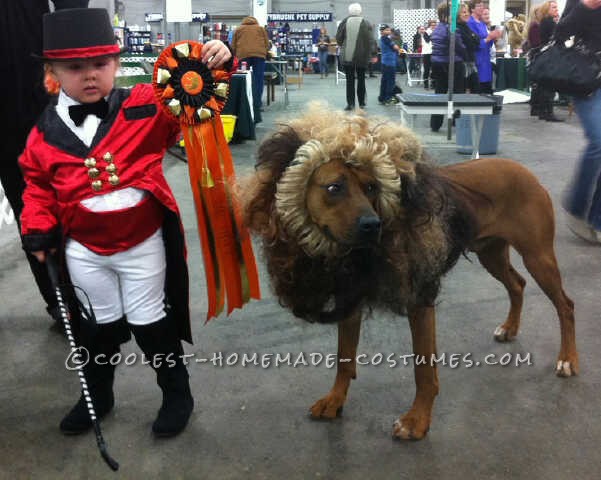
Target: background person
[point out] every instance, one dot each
(23, 77)
(323, 46)
(539, 34)
(390, 52)
(493, 47)
(440, 60)
(423, 45)
(251, 44)
(472, 42)
(427, 56)
(582, 199)
(486, 40)
(355, 36)
(397, 39)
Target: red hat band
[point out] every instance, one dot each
(84, 52)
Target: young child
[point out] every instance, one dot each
(95, 186)
(390, 52)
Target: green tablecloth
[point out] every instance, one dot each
(512, 73)
(237, 104)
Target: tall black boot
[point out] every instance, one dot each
(99, 374)
(546, 113)
(550, 116)
(163, 349)
(535, 103)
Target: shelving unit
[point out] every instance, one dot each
(299, 42)
(137, 41)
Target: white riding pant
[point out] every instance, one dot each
(128, 283)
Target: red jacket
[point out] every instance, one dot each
(137, 134)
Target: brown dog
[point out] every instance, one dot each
(352, 217)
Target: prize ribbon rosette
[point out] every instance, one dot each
(187, 89)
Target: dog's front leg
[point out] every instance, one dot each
(415, 423)
(348, 338)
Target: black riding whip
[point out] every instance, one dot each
(52, 265)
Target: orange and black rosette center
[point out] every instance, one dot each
(192, 82)
(185, 86)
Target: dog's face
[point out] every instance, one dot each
(341, 201)
(337, 181)
(333, 200)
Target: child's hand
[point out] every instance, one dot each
(215, 53)
(41, 254)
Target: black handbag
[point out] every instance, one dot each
(569, 68)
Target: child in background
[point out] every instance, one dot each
(390, 52)
(95, 187)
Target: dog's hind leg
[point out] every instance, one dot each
(348, 338)
(494, 257)
(416, 422)
(542, 265)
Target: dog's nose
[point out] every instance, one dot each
(369, 225)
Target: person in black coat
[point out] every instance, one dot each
(582, 199)
(355, 37)
(549, 14)
(471, 40)
(21, 80)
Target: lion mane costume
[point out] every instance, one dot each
(311, 273)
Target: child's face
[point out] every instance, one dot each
(385, 32)
(87, 80)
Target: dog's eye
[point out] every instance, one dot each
(334, 188)
(371, 188)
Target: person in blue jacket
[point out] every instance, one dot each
(486, 40)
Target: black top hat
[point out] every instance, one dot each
(78, 33)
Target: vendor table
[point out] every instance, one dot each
(512, 73)
(437, 103)
(281, 68)
(239, 103)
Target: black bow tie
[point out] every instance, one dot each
(78, 113)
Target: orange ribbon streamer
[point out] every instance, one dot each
(229, 261)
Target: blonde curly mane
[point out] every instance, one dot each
(376, 145)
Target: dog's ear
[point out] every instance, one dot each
(278, 150)
(257, 193)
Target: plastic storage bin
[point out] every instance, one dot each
(229, 123)
(489, 139)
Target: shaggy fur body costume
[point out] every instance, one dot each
(425, 226)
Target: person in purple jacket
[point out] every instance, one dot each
(440, 60)
(486, 39)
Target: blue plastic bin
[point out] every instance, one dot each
(489, 139)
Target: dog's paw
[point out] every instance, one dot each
(410, 428)
(565, 368)
(329, 406)
(503, 334)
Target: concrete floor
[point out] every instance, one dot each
(489, 422)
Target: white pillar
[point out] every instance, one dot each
(260, 11)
